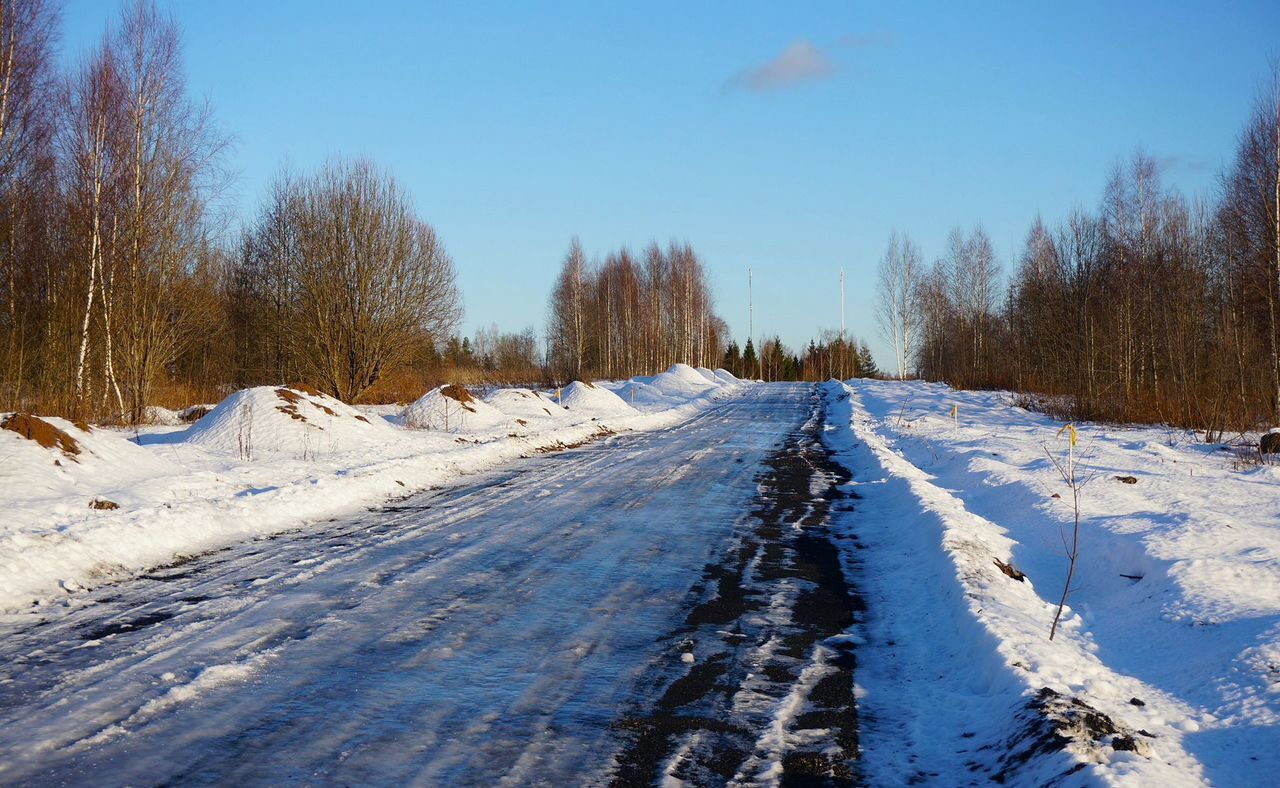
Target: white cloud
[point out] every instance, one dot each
(799, 62)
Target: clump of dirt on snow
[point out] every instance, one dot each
(1052, 723)
(459, 394)
(42, 432)
(194, 413)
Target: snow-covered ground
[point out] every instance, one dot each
(517, 628)
(98, 505)
(1173, 630)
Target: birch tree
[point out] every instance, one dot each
(897, 279)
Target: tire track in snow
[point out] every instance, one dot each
(768, 695)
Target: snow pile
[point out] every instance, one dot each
(727, 378)
(264, 460)
(52, 458)
(709, 376)
(682, 380)
(681, 383)
(529, 407)
(269, 420)
(591, 399)
(1164, 668)
(453, 409)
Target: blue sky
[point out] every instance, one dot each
(785, 139)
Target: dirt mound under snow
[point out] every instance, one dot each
(589, 398)
(286, 419)
(452, 408)
(527, 406)
(51, 457)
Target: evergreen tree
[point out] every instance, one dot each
(732, 359)
(866, 363)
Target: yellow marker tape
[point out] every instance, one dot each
(1070, 429)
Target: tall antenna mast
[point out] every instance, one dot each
(842, 302)
(750, 313)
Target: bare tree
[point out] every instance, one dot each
(27, 37)
(169, 167)
(565, 330)
(898, 279)
(370, 279)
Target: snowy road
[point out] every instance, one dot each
(660, 603)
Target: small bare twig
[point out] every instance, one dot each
(1070, 473)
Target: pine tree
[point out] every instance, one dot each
(866, 363)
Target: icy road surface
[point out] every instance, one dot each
(657, 605)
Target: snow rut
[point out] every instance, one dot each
(768, 696)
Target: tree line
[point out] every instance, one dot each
(1150, 307)
(832, 355)
(123, 283)
(627, 315)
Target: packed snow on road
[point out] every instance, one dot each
(675, 579)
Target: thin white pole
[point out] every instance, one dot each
(842, 302)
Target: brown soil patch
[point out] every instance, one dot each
(459, 395)
(304, 388)
(290, 407)
(456, 392)
(362, 418)
(42, 432)
(291, 397)
(103, 503)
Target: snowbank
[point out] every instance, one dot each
(1165, 662)
(453, 409)
(727, 378)
(52, 459)
(680, 383)
(89, 506)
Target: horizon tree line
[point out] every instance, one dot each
(1150, 307)
(123, 289)
(627, 315)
